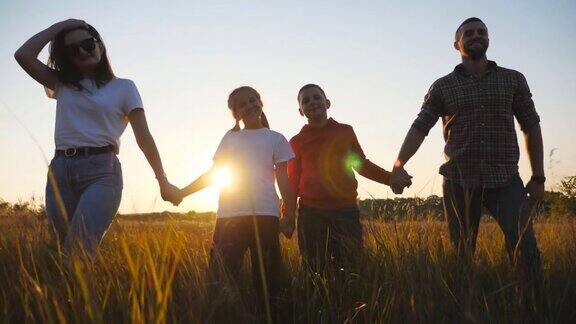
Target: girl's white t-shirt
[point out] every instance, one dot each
(250, 155)
(93, 117)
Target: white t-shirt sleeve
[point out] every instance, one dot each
(133, 99)
(222, 149)
(282, 150)
(52, 94)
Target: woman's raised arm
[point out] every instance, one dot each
(27, 54)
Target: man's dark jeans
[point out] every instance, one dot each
(329, 238)
(512, 210)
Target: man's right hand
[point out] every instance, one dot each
(399, 179)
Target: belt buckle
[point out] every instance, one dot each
(70, 152)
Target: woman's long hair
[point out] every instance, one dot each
(232, 103)
(69, 74)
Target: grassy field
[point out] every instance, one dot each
(153, 269)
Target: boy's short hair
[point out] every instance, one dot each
(308, 86)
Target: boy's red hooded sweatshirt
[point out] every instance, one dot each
(322, 174)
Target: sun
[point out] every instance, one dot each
(222, 177)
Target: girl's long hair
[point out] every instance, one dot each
(232, 102)
(68, 73)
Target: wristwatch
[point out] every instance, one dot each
(538, 179)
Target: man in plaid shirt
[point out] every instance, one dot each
(477, 103)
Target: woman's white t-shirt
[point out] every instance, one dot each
(93, 117)
(250, 155)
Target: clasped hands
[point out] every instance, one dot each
(170, 192)
(287, 223)
(399, 179)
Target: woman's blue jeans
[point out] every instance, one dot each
(82, 197)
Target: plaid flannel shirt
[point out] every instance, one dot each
(478, 117)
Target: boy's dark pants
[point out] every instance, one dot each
(329, 238)
(232, 238)
(510, 207)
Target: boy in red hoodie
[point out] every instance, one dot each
(322, 176)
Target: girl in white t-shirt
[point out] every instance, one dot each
(93, 108)
(248, 209)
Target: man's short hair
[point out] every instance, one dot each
(469, 20)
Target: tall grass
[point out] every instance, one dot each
(153, 269)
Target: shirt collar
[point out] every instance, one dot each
(331, 122)
(459, 69)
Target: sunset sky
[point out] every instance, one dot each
(375, 60)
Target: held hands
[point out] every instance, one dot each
(399, 179)
(287, 221)
(170, 193)
(287, 225)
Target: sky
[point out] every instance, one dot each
(374, 59)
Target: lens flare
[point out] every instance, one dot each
(352, 161)
(222, 177)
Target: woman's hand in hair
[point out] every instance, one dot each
(27, 54)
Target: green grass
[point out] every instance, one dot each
(153, 269)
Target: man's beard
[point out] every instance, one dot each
(476, 53)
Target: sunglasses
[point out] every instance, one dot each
(88, 45)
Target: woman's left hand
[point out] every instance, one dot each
(171, 193)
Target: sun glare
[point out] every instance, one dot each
(222, 177)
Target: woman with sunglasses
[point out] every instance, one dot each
(93, 108)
